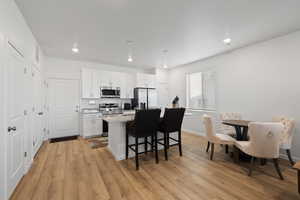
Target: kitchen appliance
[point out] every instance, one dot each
(110, 92)
(108, 109)
(91, 123)
(127, 106)
(145, 98)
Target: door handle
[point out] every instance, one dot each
(9, 129)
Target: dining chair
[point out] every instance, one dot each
(229, 130)
(145, 125)
(297, 167)
(264, 143)
(287, 136)
(171, 123)
(213, 137)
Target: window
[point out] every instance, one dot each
(200, 90)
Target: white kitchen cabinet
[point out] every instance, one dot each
(87, 83)
(145, 80)
(98, 78)
(127, 85)
(92, 80)
(117, 79)
(105, 78)
(130, 81)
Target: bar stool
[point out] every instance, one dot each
(170, 123)
(145, 125)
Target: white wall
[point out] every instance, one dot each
(14, 28)
(62, 68)
(260, 81)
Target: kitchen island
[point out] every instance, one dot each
(117, 135)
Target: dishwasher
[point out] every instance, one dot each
(91, 122)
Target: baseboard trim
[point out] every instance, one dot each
(285, 157)
(193, 132)
(28, 166)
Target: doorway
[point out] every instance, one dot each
(64, 107)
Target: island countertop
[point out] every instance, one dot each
(124, 117)
(119, 118)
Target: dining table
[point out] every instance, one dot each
(241, 128)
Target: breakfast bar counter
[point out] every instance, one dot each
(117, 134)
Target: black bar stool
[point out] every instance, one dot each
(171, 122)
(145, 125)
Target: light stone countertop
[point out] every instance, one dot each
(125, 117)
(119, 118)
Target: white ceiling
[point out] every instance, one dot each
(189, 29)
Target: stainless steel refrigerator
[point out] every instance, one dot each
(145, 98)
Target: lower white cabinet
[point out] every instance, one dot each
(91, 125)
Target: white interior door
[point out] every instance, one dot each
(28, 97)
(15, 84)
(37, 111)
(63, 107)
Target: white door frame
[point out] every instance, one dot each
(3, 123)
(48, 101)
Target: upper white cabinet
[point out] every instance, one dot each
(105, 78)
(92, 80)
(145, 80)
(128, 82)
(87, 84)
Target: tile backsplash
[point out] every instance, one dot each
(94, 103)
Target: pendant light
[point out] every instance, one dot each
(75, 48)
(129, 44)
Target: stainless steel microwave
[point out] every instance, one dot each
(110, 92)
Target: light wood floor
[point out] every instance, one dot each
(72, 170)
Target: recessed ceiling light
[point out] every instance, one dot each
(75, 48)
(227, 41)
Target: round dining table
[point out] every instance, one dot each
(241, 128)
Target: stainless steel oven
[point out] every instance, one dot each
(109, 92)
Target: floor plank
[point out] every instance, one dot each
(71, 170)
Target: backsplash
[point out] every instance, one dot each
(94, 103)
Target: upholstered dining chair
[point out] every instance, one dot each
(287, 135)
(264, 143)
(225, 129)
(213, 137)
